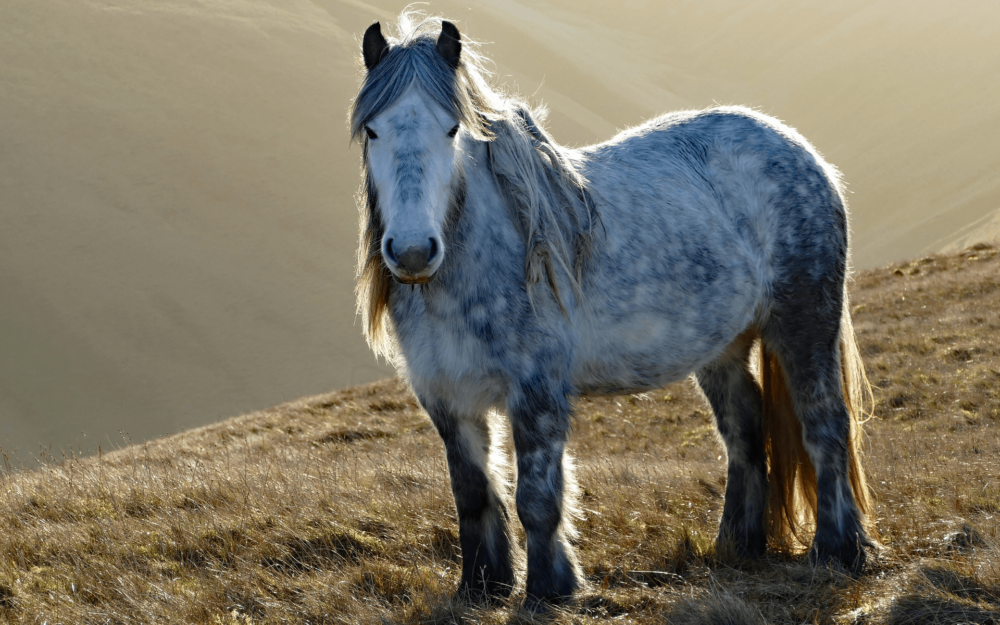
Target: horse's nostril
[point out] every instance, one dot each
(434, 251)
(388, 251)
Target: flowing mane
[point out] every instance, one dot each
(547, 196)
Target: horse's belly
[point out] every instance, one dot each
(630, 359)
(637, 347)
(637, 354)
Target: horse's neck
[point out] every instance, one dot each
(485, 222)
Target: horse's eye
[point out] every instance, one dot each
(453, 131)
(371, 133)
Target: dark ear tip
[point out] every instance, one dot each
(373, 46)
(449, 44)
(450, 29)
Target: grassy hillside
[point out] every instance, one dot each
(336, 508)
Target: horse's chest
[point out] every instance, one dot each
(455, 337)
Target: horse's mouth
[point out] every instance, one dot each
(413, 279)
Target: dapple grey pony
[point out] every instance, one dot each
(504, 273)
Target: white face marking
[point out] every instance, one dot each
(413, 160)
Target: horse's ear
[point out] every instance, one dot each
(373, 46)
(449, 44)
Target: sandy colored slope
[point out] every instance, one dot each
(177, 217)
(177, 225)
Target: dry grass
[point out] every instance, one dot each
(336, 509)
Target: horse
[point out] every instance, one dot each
(504, 273)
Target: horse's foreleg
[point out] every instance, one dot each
(736, 402)
(483, 521)
(540, 423)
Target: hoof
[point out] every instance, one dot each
(850, 555)
(543, 596)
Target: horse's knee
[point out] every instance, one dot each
(539, 497)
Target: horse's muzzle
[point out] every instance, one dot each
(412, 263)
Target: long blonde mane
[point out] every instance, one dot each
(542, 188)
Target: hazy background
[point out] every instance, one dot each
(177, 223)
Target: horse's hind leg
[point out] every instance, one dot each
(483, 521)
(805, 335)
(540, 423)
(736, 402)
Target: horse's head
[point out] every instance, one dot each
(412, 149)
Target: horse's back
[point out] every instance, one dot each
(727, 169)
(704, 216)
